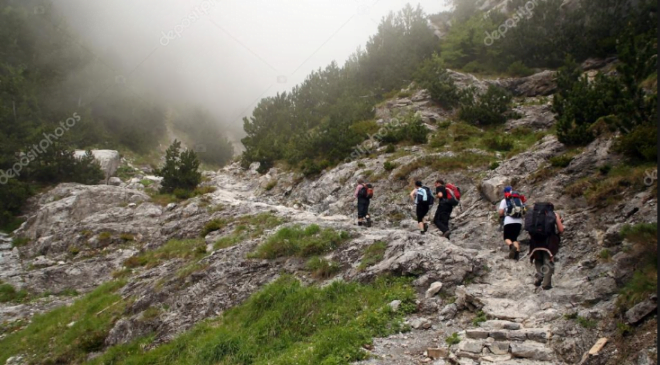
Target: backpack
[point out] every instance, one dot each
(363, 193)
(426, 198)
(370, 191)
(454, 190)
(541, 223)
(515, 205)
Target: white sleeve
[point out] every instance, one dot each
(503, 204)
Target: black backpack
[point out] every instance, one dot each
(541, 223)
(430, 197)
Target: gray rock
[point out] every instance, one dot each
(433, 289)
(108, 159)
(499, 348)
(532, 351)
(637, 313)
(493, 187)
(449, 311)
(395, 305)
(114, 181)
(472, 346)
(612, 236)
(476, 334)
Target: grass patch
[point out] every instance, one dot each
(479, 319)
(212, 226)
(191, 269)
(248, 227)
(286, 323)
(184, 249)
(9, 294)
(644, 281)
(146, 182)
(373, 255)
(605, 255)
(163, 199)
(20, 241)
(602, 190)
(51, 341)
(445, 164)
(300, 241)
(586, 323)
(389, 166)
(322, 268)
(453, 339)
(127, 237)
(271, 185)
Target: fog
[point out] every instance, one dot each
(224, 55)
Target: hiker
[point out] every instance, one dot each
(363, 199)
(423, 199)
(512, 208)
(544, 227)
(446, 203)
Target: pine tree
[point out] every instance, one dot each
(180, 170)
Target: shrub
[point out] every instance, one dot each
(486, 109)
(212, 226)
(432, 75)
(412, 129)
(494, 165)
(561, 161)
(519, 69)
(271, 185)
(301, 242)
(127, 237)
(499, 143)
(479, 319)
(390, 148)
(453, 339)
(20, 241)
(180, 172)
(389, 166)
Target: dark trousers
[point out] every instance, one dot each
(544, 267)
(441, 220)
(363, 208)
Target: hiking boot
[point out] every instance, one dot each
(512, 252)
(359, 223)
(446, 234)
(368, 223)
(546, 287)
(538, 281)
(426, 227)
(516, 256)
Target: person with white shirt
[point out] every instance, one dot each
(512, 226)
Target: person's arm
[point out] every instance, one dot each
(439, 194)
(412, 194)
(357, 190)
(501, 210)
(560, 224)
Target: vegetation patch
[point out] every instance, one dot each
(248, 227)
(20, 241)
(322, 268)
(184, 249)
(285, 323)
(9, 294)
(603, 190)
(300, 241)
(453, 339)
(445, 164)
(373, 255)
(68, 334)
(645, 253)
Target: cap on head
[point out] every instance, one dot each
(508, 189)
(418, 183)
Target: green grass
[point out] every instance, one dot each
(644, 251)
(586, 323)
(445, 164)
(479, 319)
(373, 255)
(300, 241)
(285, 323)
(453, 339)
(603, 190)
(322, 268)
(605, 255)
(20, 241)
(9, 294)
(271, 185)
(212, 226)
(248, 227)
(49, 340)
(146, 182)
(184, 249)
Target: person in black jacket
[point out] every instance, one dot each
(542, 254)
(446, 204)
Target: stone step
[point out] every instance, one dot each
(525, 334)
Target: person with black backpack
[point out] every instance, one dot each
(423, 199)
(446, 203)
(512, 208)
(363, 194)
(544, 227)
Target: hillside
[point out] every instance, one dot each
(151, 281)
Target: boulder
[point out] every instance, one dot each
(637, 313)
(433, 289)
(108, 159)
(539, 84)
(493, 187)
(114, 181)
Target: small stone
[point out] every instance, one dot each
(170, 206)
(132, 205)
(433, 289)
(476, 334)
(71, 324)
(395, 305)
(499, 348)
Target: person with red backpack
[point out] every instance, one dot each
(512, 208)
(363, 194)
(544, 227)
(447, 200)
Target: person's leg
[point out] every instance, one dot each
(443, 222)
(548, 270)
(514, 238)
(508, 230)
(538, 263)
(436, 219)
(361, 212)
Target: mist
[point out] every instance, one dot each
(223, 55)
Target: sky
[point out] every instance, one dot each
(224, 55)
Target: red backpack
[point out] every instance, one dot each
(454, 190)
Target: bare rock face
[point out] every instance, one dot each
(534, 117)
(540, 84)
(493, 187)
(108, 159)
